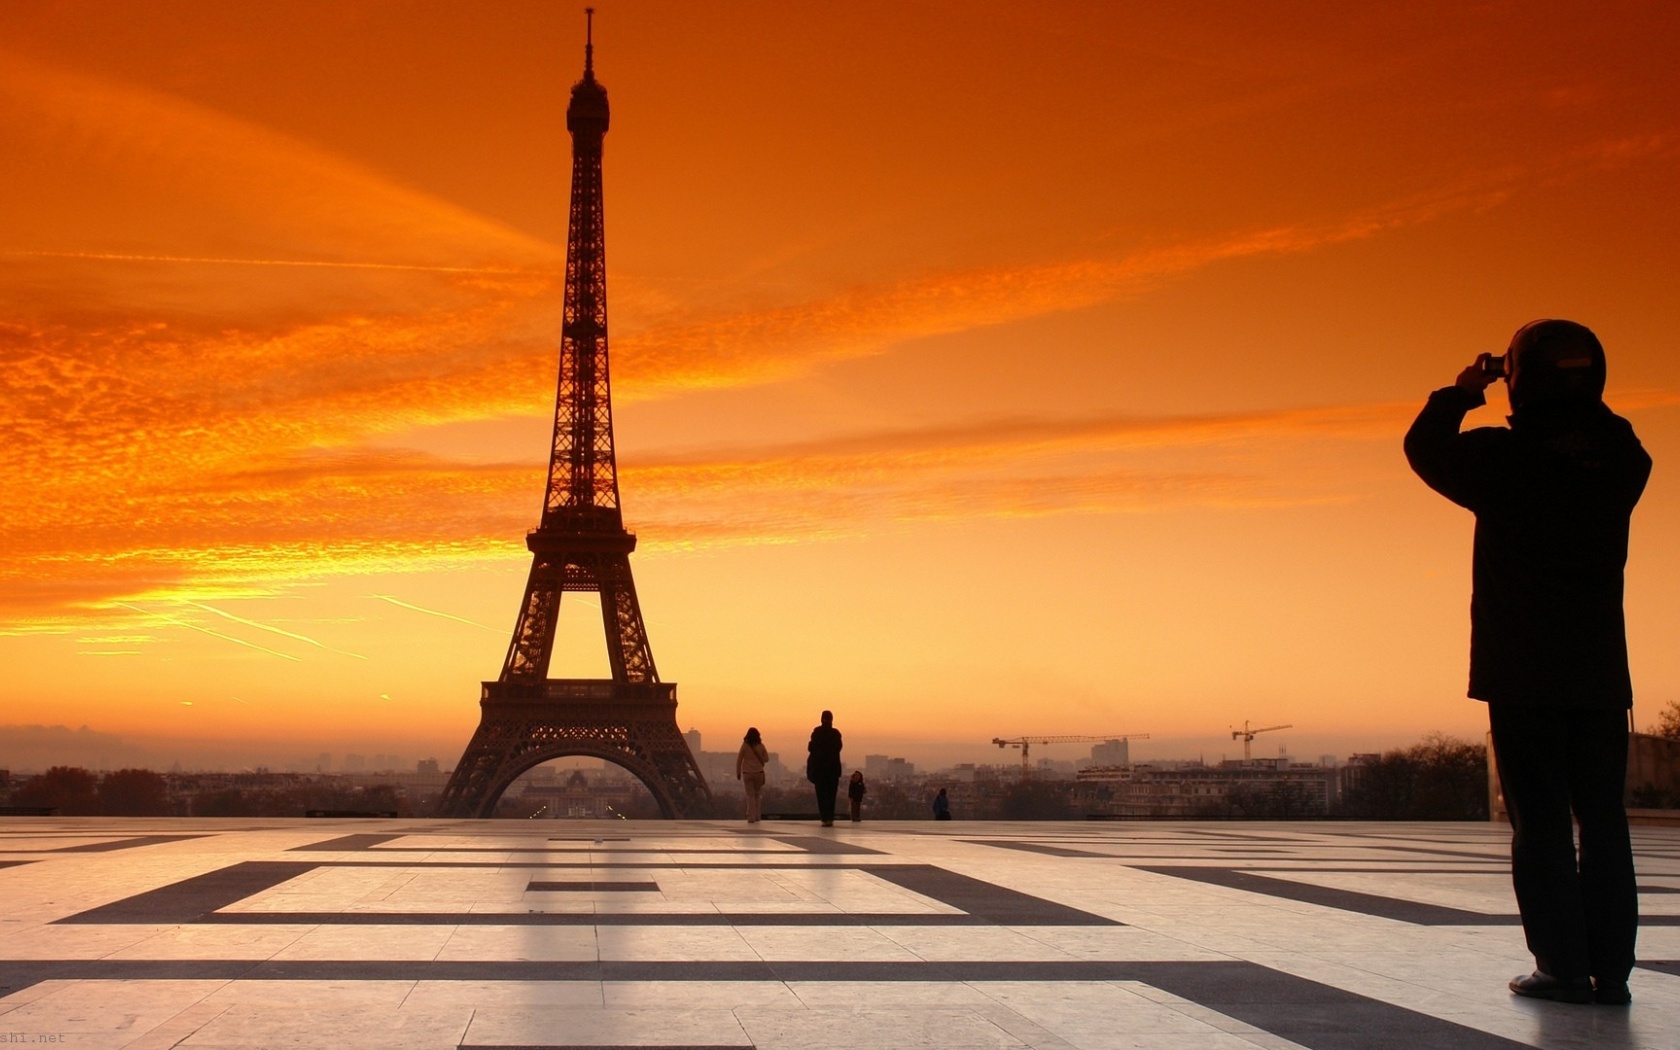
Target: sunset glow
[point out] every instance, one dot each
(979, 369)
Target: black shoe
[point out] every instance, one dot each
(1611, 993)
(1539, 985)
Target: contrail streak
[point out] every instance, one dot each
(275, 630)
(214, 634)
(305, 263)
(434, 612)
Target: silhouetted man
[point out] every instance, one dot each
(822, 768)
(1552, 494)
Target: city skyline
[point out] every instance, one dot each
(981, 371)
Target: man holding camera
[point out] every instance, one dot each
(1552, 494)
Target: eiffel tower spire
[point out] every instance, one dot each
(583, 470)
(580, 545)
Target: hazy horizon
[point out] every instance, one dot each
(32, 749)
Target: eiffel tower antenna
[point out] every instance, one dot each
(580, 545)
(589, 43)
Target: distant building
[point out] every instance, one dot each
(1358, 765)
(1264, 787)
(577, 796)
(1112, 753)
(718, 767)
(1055, 769)
(880, 767)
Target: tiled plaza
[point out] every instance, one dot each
(411, 933)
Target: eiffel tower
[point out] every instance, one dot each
(527, 718)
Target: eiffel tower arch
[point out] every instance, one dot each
(525, 717)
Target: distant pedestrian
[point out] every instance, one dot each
(855, 791)
(1552, 494)
(941, 806)
(749, 770)
(822, 767)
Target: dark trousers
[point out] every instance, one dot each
(1580, 912)
(827, 788)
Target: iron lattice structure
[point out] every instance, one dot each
(527, 718)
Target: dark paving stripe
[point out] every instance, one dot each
(614, 1046)
(1312, 1014)
(592, 887)
(1671, 966)
(1293, 1008)
(824, 845)
(1034, 847)
(1363, 903)
(1253, 836)
(107, 847)
(110, 846)
(565, 918)
(984, 900)
(190, 900)
(616, 865)
(1371, 869)
(734, 852)
(1342, 900)
(14, 863)
(1497, 855)
(345, 843)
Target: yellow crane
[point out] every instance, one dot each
(1246, 735)
(1025, 743)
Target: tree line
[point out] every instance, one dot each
(75, 792)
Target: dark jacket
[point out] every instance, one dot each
(824, 761)
(1552, 495)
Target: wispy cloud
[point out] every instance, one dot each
(312, 513)
(178, 622)
(431, 612)
(272, 629)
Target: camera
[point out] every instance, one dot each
(1493, 365)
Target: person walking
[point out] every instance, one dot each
(822, 766)
(749, 770)
(1552, 494)
(855, 790)
(941, 806)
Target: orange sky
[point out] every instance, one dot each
(981, 369)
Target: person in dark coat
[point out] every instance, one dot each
(1553, 494)
(855, 790)
(822, 767)
(941, 806)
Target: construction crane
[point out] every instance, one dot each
(1025, 743)
(1246, 735)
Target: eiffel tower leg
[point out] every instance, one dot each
(621, 615)
(533, 634)
(468, 792)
